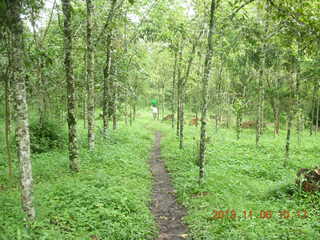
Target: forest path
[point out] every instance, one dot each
(168, 213)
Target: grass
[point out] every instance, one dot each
(110, 197)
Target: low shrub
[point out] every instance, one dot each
(47, 136)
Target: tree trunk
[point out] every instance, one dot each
(73, 145)
(106, 72)
(134, 112)
(178, 114)
(174, 87)
(22, 122)
(259, 110)
(276, 122)
(298, 101)
(317, 117)
(84, 109)
(181, 115)
(131, 114)
(7, 125)
(313, 105)
(179, 83)
(114, 104)
(90, 79)
(163, 101)
(287, 147)
(204, 105)
(238, 122)
(106, 87)
(43, 93)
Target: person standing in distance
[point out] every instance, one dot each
(154, 110)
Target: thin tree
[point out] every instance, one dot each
(173, 100)
(7, 121)
(68, 62)
(90, 79)
(179, 89)
(107, 68)
(22, 122)
(204, 104)
(289, 126)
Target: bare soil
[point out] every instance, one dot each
(168, 213)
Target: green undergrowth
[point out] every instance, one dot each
(244, 185)
(108, 199)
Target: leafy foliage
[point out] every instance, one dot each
(47, 136)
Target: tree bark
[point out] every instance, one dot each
(181, 115)
(317, 117)
(179, 83)
(259, 110)
(106, 71)
(174, 87)
(22, 122)
(287, 147)
(90, 79)
(7, 124)
(204, 105)
(107, 89)
(313, 106)
(68, 62)
(114, 110)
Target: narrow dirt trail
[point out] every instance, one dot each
(168, 213)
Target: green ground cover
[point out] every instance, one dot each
(108, 199)
(243, 178)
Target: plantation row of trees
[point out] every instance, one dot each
(261, 59)
(235, 59)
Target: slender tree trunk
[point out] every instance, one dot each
(238, 127)
(106, 87)
(134, 112)
(298, 103)
(131, 114)
(43, 93)
(204, 105)
(22, 122)
(259, 110)
(114, 106)
(72, 123)
(287, 147)
(84, 109)
(313, 105)
(289, 122)
(126, 113)
(179, 83)
(7, 125)
(163, 101)
(106, 71)
(174, 87)
(317, 117)
(181, 120)
(178, 114)
(90, 79)
(276, 122)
